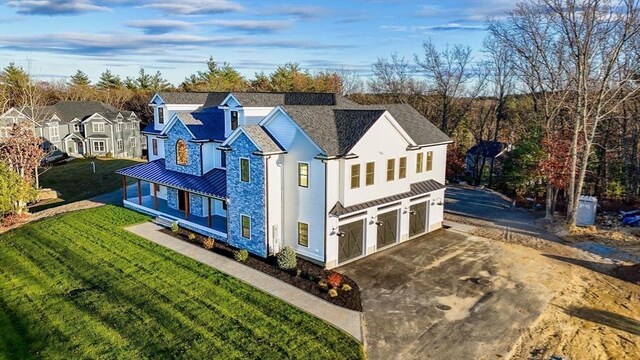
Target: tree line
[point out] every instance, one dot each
(558, 79)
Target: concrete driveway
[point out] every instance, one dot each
(447, 295)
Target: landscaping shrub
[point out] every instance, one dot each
(209, 243)
(346, 287)
(334, 280)
(175, 228)
(333, 292)
(241, 255)
(322, 284)
(109, 155)
(287, 258)
(191, 236)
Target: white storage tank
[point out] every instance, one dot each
(587, 207)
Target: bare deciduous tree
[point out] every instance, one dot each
(454, 80)
(395, 76)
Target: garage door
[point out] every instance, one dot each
(351, 244)
(417, 219)
(387, 228)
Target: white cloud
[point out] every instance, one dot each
(55, 7)
(195, 7)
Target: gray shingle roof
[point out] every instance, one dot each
(419, 128)
(69, 110)
(416, 189)
(256, 99)
(334, 130)
(262, 139)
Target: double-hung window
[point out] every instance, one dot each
(54, 135)
(133, 142)
(402, 168)
(99, 146)
(154, 146)
(119, 144)
(160, 115)
(76, 127)
(303, 234)
(429, 160)
(419, 162)
(97, 127)
(355, 176)
(246, 226)
(244, 169)
(391, 169)
(370, 176)
(234, 120)
(303, 175)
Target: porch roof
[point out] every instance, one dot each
(213, 183)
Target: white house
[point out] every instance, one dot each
(333, 179)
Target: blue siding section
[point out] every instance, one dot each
(196, 205)
(172, 198)
(179, 131)
(246, 198)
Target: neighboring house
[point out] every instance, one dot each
(81, 128)
(332, 179)
(486, 153)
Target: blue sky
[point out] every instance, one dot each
(53, 38)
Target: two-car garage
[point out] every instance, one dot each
(385, 226)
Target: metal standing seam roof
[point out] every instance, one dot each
(419, 188)
(149, 129)
(213, 183)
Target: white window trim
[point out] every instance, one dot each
(118, 127)
(93, 127)
(133, 141)
(241, 226)
(120, 144)
(76, 127)
(240, 167)
(93, 145)
(54, 137)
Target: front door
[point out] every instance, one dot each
(350, 244)
(417, 219)
(181, 198)
(387, 228)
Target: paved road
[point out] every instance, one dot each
(488, 205)
(446, 296)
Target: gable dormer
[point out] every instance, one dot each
(233, 114)
(159, 112)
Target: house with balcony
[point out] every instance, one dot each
(334, 180)
(80, 128)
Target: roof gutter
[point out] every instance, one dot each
(418, 147)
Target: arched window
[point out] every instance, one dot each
(182, 155)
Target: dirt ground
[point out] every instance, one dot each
(592, 315)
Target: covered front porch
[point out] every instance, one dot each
(177, 199)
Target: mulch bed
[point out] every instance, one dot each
(306, 276)
(628, 273)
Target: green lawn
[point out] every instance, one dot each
(76, 180)
(79, 286)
